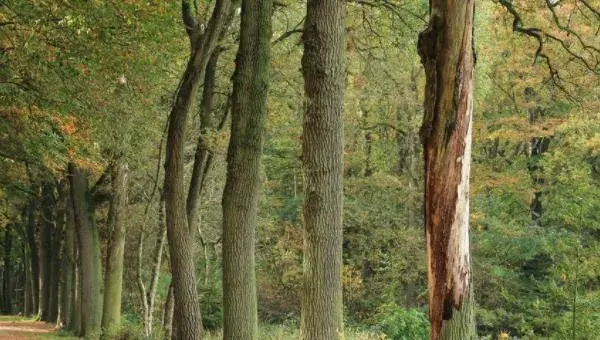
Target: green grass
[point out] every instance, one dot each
(283, 332)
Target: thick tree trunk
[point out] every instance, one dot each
(7, 285)
(446, 49)
(33, 254)
(323, 69)
(113, 274)
(187, 313)
(90, 261)
(68, 267)
(242, 187)
(45, 250)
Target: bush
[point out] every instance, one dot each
(401, 324)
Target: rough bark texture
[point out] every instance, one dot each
(90, 262)
(115, 249)
(168, 312)
(323, 70)
(242, 187)
(446, 50)
(187, 313)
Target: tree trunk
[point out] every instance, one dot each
(33, 254)
(242, 187)
(7, 275)
(148, 297)
(68, 267)
(90, 268)
(446, 50)
(113, 274)
(56, 262)
(323, 69)
(168, 311)
(187, 313)
(45, 250)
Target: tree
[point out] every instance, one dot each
(90, 269)
(187, 314)
(242, 187)
(446, 50)
(113, 274)
(323, 69)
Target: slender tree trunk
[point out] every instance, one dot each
(75, 325)
(323, 69)
(56, 262)
(187, 313)
(168, 312)
(45, 250)
(33, 254)
(242, 187)
(446, 49)
(68, 267)
(7, 275)
(27, 294)
(89, 254)
(113, 274)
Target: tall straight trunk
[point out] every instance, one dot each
(27, 293)
(113, 274)
(90, 261)
(446, 50)
(7, 275)
(56, 262)
(75, 324)
(242, 187)
(67, 267)
(33, 254)
(187, 313)
(323, 69)
(45, 250)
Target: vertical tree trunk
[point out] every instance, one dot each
(33, 254)
(7, 275)
(113, 274)
(45, 250)
(242, 187)
(56, 262)
(323, 69)
(68, 267)
(90, 261)
(168, 312)
(75, 324)
(446, 50)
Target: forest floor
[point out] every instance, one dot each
(19, 328)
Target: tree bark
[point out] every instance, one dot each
(45, 250)
(90, 259)
(323, 68)
(446, 50)
(242, 186)
(187, 313)
(168, 312)
(7, 275)
(115, 249)
(33, 253)
(68, 267)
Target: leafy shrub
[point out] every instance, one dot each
(401, 324)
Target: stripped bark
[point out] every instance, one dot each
(446, 50)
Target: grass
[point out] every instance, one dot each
(283, 332)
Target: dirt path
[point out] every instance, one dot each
(25, 329)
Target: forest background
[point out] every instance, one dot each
(92, 83)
